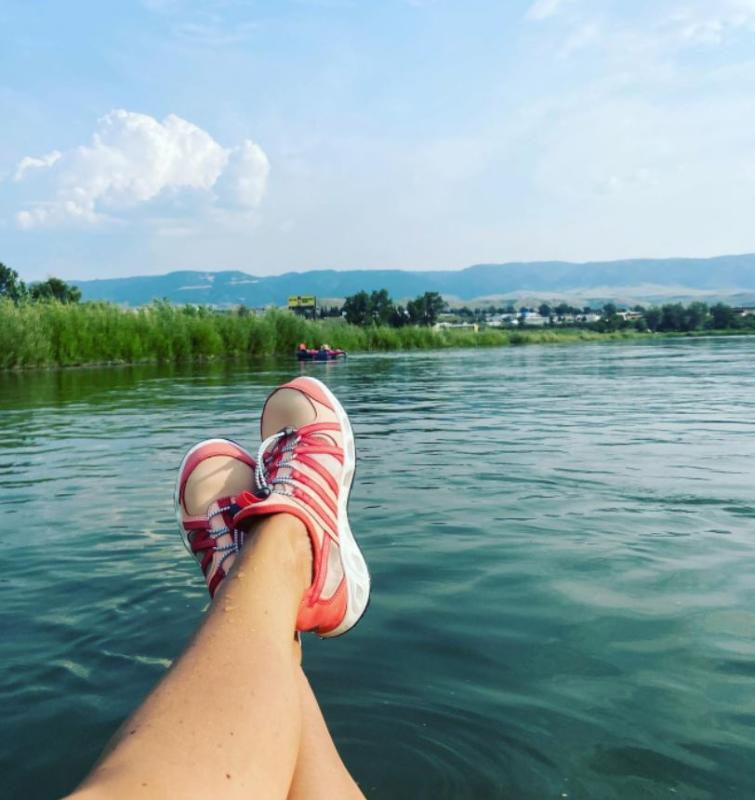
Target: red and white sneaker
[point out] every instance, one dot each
(305, 467)
(211, 475)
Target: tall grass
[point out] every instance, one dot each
(53, 334)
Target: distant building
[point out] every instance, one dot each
(533, 318)
(473, 326)
(499, 320)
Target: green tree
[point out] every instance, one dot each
(695, 316)
(356, 308)
(424, 310)
(722, 317)
(55, 289)
(545, 310)
(11, 286)
(672, 317)
(366, 309)
(381, 307)
(653, 318)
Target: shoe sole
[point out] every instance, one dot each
(352, 561)
(177, 491)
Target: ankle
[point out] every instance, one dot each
(288, 537)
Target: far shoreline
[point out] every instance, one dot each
(452, 341)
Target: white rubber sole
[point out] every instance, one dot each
(352, 561)
(176, 491)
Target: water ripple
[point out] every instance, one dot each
(561, 540)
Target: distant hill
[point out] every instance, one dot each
(637, 279)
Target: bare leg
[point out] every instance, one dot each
(226, 720)
(320, 774)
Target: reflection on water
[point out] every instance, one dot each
(561, 540)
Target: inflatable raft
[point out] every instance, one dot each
(323, 354)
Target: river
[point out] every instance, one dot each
(562, 543)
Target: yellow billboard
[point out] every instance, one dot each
(302, 301)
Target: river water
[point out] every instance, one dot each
(562, 542)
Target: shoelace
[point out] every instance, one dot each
(265, 484)
(205, 541)
(215, 533)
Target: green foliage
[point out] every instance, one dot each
(675, 318)
(54, 289)
(424, 310)
(653, 318)
(375, 308)
(57, 334)
(54, 333)
(722, 317)
(11, 286)
(356, 309)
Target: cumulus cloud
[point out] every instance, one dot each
(242, 183)
(134, 159)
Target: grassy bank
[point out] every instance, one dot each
(53, 334)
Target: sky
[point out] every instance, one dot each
(284, 135)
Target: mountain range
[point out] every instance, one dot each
(731, 278)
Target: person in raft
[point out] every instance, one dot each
(235, 715)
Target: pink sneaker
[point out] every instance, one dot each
(305, 467)
(211, 474)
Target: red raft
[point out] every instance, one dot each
(325, 353)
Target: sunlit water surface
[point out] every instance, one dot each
(562, 541)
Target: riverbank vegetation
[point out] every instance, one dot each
(56, 334)
(46, 325)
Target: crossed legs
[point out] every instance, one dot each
(235, 716)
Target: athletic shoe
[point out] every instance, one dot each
(211, 474)
(305, 467)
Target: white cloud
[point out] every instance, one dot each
(243, 181)
(659, 31)
(32, 163)
(709, 23)
(542, 9)
(134, 159)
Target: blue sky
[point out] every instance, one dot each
(140, 137)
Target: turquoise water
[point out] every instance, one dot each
(562, 542)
